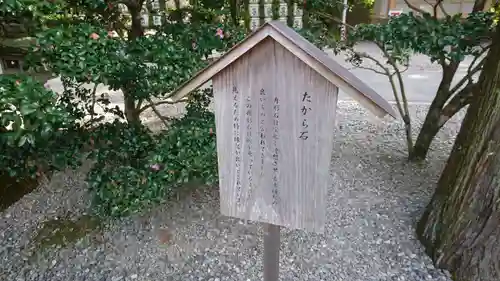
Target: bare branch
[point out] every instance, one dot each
(405, 68)
(414, 8)
(428, 3)
(335, 19)
(139, 103)
(441, 6)
(367, 56)
(91, 122)
(155, 110)
(372, 69)
(461, 99)
(434, 9)
(478, 5)
(153, 104)
(471, 71)
(405, 113)
(483, 51)
(92, 107)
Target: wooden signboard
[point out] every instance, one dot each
(275, 119)
(275, 100)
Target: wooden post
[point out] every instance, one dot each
(271, 252)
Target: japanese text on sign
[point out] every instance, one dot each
(262, 130)
(306, 101)
(248, 141)
(237, 141)
(276, 116)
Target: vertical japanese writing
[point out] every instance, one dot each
(306, 102)
(237, 141)
(262, 129)
(276, 112)
(248, 140)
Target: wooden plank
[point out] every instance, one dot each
(269, 169)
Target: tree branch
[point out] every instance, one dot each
(460, 100)
(414, 8)
(335, 19)
(369, 68)
(367, 56)
(398, 74)
(391, 80)
(92, 107)
(478, 5)
(155, 110)
(441, 6)
(470, 72)
(405, 69)
(126, 2)
(154, 105)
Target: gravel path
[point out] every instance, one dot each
(373, 205)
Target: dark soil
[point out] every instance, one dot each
(11, 190)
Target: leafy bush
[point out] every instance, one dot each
(149, 66)
(119, 180)
(120, 143)
(37, 134)
(122, 190)
(187, 152)
(135, 169)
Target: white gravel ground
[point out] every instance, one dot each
(373, 206)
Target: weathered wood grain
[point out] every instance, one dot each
(293, 195)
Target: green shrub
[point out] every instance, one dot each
(135, 169)
(123, 190)
(187, 151)
(37, 134)
(120, 143)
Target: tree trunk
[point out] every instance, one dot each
(290, 12)
(276, 9)
(479, 5)
(234, 7)
(461, 225)
(246, 14)
(136, 30)
(131, 111)
(431, 124)
(262, 11)
(305, 15)
(177, 14)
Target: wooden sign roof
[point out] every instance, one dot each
(305, 51)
